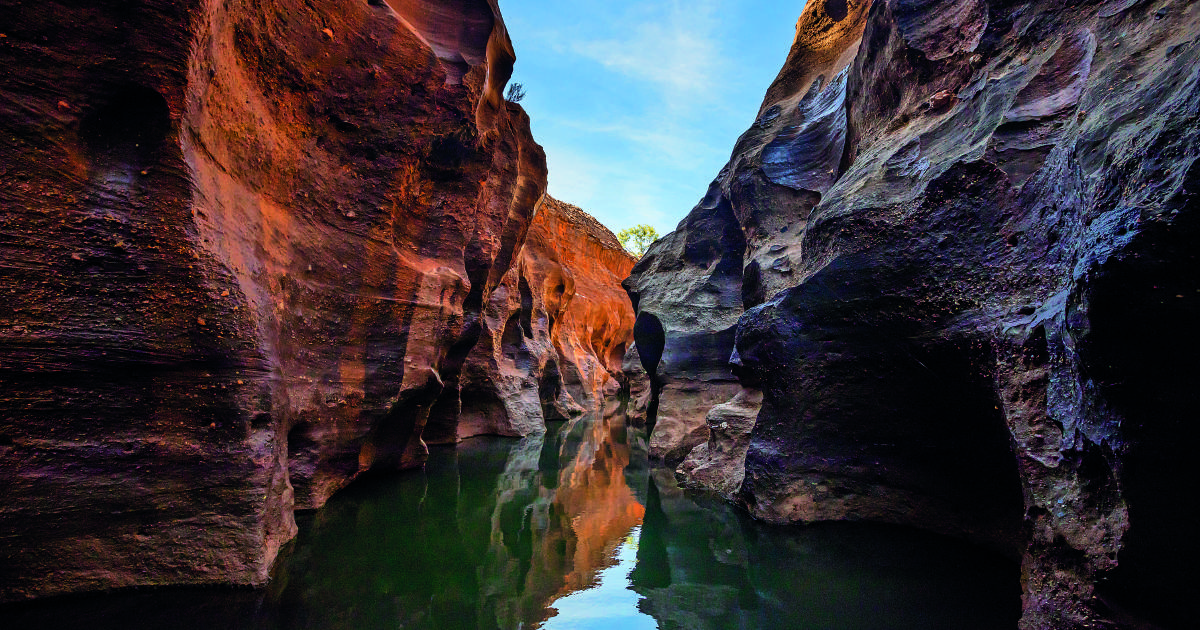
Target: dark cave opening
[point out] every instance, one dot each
(549, 387)
(954, 439)
(837, 10)
(300, 446)
(651, 340)
(880, 414)
(511, 338)
(753, 292)
(1141, 353)
(526, 307)
(128, 128)
(481, 411)
(442, 425)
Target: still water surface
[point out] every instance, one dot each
(572, 530)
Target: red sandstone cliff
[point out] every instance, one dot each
(555, 331)
(245, 249)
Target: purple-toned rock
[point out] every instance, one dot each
(969, 295)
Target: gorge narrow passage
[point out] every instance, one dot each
(302, 327)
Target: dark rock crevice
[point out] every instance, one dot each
(1139, 354)
(543, 354)
(650, 338)
(695, 316)
(129, 128)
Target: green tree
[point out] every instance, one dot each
(637, 238)
(516, 92)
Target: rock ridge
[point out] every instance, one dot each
(935, 259)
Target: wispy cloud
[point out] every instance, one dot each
(671, 46)
(590, 183)
(656, 137)
(670, 55)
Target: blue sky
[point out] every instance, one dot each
(639, 102)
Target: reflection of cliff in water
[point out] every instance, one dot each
(485, 538)
(502, 534)
(704, 565)
(562, 509)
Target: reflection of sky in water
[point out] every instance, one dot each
(609, 604)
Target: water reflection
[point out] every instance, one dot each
(571, 530)
(702, 564)
(608, 604)
(486, 537)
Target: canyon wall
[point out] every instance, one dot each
(949, 268)
(555, 331)
(247, 252)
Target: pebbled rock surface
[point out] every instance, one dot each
(962, 229)
(246, 250)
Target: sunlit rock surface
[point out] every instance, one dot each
(719, 463)
(247, 250)
(555, 332)
(959, 232)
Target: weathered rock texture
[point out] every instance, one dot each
(246, 249)
(555, 331)
(685, 290)
(960, 232)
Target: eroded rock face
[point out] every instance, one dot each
(965, 288)
(555, 332)
(249, 247)
(719, 463)
(686, 292)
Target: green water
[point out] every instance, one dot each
(572, 530)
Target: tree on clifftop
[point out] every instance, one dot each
(516, 92)
(637, 238)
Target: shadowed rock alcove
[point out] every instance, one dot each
(1141, 354)
(650, 339)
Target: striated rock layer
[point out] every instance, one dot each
(955, 246)
(247, 249)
